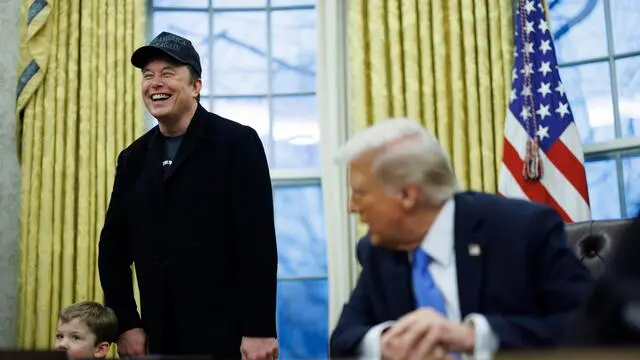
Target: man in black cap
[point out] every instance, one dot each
(192, 207)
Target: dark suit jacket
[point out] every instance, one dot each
(526, 280)
(202, 240)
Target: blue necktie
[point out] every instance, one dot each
(424, 288)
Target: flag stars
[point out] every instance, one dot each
(563, 109)
(543, 132)
(512, 96)
(527, 69)
(525, 113)
(543, 112)
(545, 68)
(528, 47)
(528, 7)
(545, 46)
(543, 26)
(544, 89)
(528, 27)
(538, 92)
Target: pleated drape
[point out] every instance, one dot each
(79, 107)
(444, 63)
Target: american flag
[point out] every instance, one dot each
(539, 129)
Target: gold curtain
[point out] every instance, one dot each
(79, 106)
(445, 63)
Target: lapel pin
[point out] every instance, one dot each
(474, 250)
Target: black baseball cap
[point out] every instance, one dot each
(171, 45)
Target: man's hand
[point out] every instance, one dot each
(425, 334)
(259, 348)
(132, 343)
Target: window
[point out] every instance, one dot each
(598, 49)
(259, 69)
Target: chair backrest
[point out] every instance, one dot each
(595, 239)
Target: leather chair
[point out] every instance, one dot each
(594, 240)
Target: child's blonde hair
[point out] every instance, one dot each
(100, 319)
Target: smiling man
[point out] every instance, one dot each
(192, 208)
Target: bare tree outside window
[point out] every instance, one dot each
(598, 48)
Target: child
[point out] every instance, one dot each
(86, 330)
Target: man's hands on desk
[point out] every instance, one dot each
(259, 348)
(425, 334)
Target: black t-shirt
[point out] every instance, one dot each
(171, 146)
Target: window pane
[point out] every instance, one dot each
(206, 102)
(576, 23)
(299, 217)
(239, 3)
(149, 120)
(588, 89)
(292, 2)
(240, 51)
(293, 41)
(296, 132)
(631, 171)
(181, 3)
(625, 16)
(250, 111)
(193, 25)
(602, 181)
(628, 74)
(302, 315)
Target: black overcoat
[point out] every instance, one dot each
(202, 239)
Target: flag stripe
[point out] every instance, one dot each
(509, 185)
(534, 189)
(571, 138)
(563, 159)
(556, 184)
(563, 192)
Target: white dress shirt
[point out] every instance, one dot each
(438, 243)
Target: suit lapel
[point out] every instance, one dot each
(397, 274)
(469, 243)
(195, 132)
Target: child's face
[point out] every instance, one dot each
(78, 341)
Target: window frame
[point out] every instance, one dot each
(279, 177)
(333, 99)
(619, 147)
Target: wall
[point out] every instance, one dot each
(9, 172)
